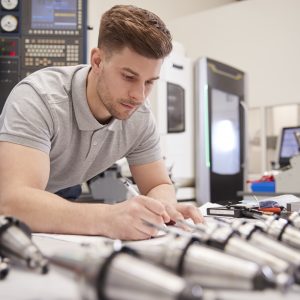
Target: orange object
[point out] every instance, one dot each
(275, 210)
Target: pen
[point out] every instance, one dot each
(130, 188)
(134, 192)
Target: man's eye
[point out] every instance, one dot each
(149, 82)
(128, 77)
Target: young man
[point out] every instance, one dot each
(63, 125)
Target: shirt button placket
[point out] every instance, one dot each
(97, 140)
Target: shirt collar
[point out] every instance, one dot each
(84, 117)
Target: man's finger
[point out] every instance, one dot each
(150, 217)
(154, 206)
(193, 212)
(142, 233)
(150, 228)
(174, 213)
(190, 211)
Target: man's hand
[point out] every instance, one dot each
(126, 220)
(180, 211)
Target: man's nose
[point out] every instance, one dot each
(137, 92)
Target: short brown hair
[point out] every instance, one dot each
(136, 28)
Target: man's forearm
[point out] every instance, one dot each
(47, 212)
(163, 192)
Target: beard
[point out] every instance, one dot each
(116, 107)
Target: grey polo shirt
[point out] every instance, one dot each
(48, 110)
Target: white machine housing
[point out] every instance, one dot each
(178, 146)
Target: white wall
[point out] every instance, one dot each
(166, 9)
(260, 37)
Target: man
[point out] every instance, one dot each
(63, 125)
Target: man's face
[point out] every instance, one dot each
(124, 82)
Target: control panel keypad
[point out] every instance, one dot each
(47, 52)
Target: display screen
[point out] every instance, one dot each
(54, 14)
(175, 108)
(225, 133)
(288, 145)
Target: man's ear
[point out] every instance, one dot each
(96, 59)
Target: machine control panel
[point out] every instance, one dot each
(39, 33)
(9, 66)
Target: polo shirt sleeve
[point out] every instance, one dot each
(148, 146)
(26, 119)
